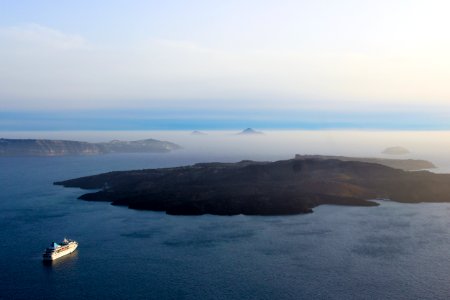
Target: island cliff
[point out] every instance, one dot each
(262, 188)
(38, 147)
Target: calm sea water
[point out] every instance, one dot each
(394, 251)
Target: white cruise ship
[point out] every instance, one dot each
(56, 250)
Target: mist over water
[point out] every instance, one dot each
(282, 144)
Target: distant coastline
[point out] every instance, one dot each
(44, 147)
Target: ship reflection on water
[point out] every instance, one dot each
(66, 262)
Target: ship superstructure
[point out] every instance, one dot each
(56, 250)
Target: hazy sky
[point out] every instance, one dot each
(363, 63)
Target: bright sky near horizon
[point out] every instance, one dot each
(385, 56)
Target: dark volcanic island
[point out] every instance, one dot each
(263, 188)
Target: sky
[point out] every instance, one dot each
(104, 65)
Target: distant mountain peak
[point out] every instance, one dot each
(250, 131)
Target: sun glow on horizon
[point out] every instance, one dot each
(237, 55)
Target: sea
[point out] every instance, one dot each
(393, 251)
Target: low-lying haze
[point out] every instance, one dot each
(227, 145)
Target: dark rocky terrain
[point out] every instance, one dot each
(40, 147)
(403, 164)
(262, 188)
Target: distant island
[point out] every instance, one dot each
(196, 132)
(250, 131)
(403, 164)
(397, 150)
(41, 147)
(262, 188)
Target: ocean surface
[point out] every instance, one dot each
(394, 251)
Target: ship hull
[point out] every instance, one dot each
(56, 255)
